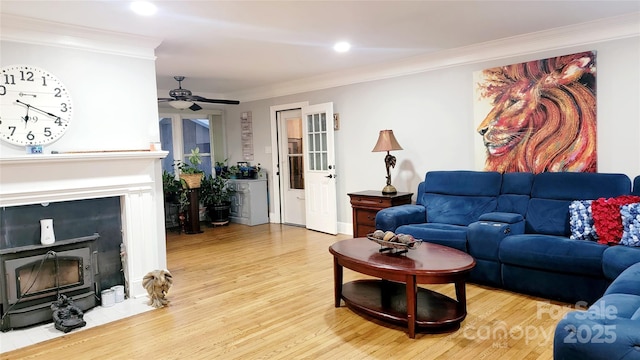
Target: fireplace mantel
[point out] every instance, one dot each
(83, 156)
(33, 179)
(134, 176)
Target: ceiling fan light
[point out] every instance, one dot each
(180, 104)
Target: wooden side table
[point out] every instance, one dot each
(366, 204)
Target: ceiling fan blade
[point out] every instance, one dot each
(165, 99)
(195, 107)
(215, 101)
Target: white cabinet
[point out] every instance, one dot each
(249, 204)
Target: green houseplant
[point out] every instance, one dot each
(175, 195)
(170, 187)
(189, 172)
(215, 195)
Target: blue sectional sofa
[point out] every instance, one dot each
(516, 226)
(609, 329)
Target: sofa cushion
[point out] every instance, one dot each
(552, 192)
(576, 186)
(454, 236)
(553, 253)
(630, 215)
(463, 182)
(548, 216)
(515, 192)
(581, 221)
(606, 217)
(457, 210)
(458, 197)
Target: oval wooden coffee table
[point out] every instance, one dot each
(395, 296)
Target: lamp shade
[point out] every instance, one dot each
(180, 104)
(386, 142)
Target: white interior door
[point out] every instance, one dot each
(291, 167)
(319, 164)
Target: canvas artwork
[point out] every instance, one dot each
(537, 116)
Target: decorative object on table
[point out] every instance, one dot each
(157, 283)
(387, 142)
(36, 107)
(190, 173)
(247, 171)
(234, 172)
(393, 243)
(222, 167)
(47, 236)
(66, 315)
(183, 99)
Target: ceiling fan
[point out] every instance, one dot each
(183, 99)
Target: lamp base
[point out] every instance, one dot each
(389, 190)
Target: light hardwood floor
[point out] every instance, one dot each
(266, 292)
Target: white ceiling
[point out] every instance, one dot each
(227, 47)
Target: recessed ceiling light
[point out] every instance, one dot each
(143, 8)
(342, 46)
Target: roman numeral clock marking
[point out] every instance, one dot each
(35, 106)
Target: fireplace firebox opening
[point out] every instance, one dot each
(38, 276)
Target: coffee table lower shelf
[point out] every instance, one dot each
(387, 301)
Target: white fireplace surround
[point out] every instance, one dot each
(131, 175)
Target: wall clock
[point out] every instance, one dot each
(35, 106)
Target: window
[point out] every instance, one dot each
(179, 134)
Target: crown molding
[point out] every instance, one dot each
(588, 33)
(39, 32)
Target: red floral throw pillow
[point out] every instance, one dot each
(606, 217)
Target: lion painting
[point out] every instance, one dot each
(543, 115)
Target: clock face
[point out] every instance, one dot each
(35, 107)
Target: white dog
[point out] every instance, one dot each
(157, 283)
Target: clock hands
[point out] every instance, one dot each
(26, 118)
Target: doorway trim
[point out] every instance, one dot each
(276, 217)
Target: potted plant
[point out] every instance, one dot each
(215, 195)
(170, 187)
(221, 167)
(190, 172)
(234, 172)
(175, 195)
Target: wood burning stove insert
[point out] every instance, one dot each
(33, 277)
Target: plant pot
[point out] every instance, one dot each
(219, 213)
(221, 170)
(192, 180)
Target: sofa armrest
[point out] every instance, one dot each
(484, 237)
(577, 336)
(628, 282)
(391, 218)
(617, 259)
(503, 217)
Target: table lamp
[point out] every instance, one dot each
(387, 142)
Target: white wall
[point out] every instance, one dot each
(114, 96)
(431, 114)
